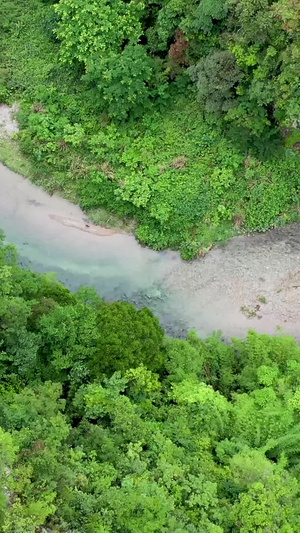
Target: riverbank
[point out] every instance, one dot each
(252, 282)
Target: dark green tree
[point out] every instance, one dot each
(127, 338)
(217, 77)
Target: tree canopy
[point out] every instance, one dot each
(107, 425)
(258, 38)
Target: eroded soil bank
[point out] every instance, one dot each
(251, 282)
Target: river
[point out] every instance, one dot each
(252, 282)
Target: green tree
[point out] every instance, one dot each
(103, 36)
(122, 79)
(127, 338)
(217, 77)
(97, 27)
(270, 507)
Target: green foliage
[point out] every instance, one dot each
(116, 124)
(116, 66)
(92, 439)
(185, 184)
(270, 507)
(216, 77)
(191, 17)
(81, 34)
(292, 139)
(128, 338)
(122, 80)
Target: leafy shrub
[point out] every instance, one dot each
(82, 36)
(121, 80)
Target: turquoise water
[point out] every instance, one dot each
(51, 235)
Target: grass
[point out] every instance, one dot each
(262, 299)
(12, 157)
(105, 218)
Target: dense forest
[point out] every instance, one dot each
(107, 425)
(179, 118)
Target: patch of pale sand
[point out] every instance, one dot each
(8, 125)
(86, 226)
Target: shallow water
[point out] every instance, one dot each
(206, 294)
(53, 235)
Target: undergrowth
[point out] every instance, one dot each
(186, 184)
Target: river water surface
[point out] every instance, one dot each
(219, 291)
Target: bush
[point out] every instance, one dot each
(121, 80)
